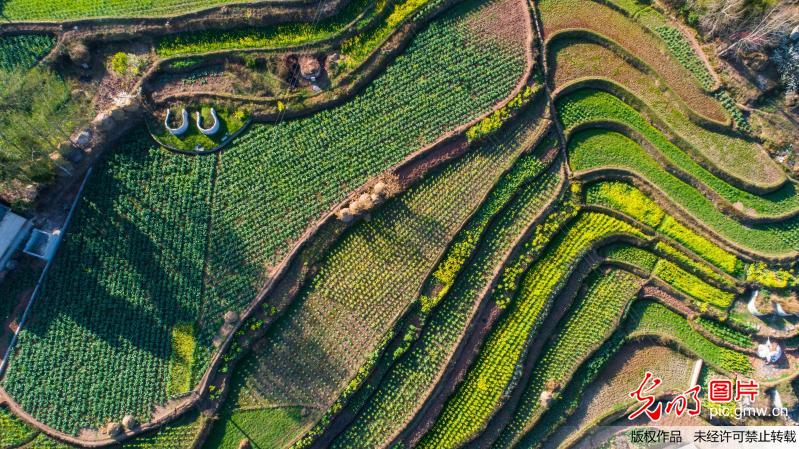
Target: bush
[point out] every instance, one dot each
(119, 63)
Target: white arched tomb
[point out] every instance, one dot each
(751, 307)
(184, 124)
(780, 311)
(768, 351)
(213, 129)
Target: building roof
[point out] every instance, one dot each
(12, 231)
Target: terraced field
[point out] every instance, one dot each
(484, 245)
(20, 10)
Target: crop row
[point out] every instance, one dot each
(599, 148)
(23, 51)
(365, 282)
(648, 47)
(652, 318)
(13, 431)
(625, 198)
(725, 333)
(475, 400)
(588, 105)
(633, 255)
(279, 35)
(691, 285)
(702, 270)
(578, 59)
(129, 271)
(591, 320)
(78, 9)
(645, 318)
(408, 384)
(681, 49)
(527, 168)
(303, 167)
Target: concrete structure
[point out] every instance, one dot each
(13, 231)
(770, 352)
(42, 245)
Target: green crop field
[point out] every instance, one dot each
(441, 223)
(20, 10)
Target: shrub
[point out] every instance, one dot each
(119, 63)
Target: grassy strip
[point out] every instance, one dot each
(588, 105)
(631, 201)
(408, 383)
(598, 149)
(468, 411)
(357, 48)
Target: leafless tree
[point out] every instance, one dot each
(721, 16)
(766, 30)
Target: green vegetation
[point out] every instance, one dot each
(78, 9)
(631, 201)
(777, 278)
(493, 372)
(305, 166)
(599, 148)
(652, 318)
(632, 255)
(725, 333)
(147, 249)
(128, 273)
(357, 48)
(365, 283)
(692, 286)
(590, 322)
(13, 431)
(275, 36)
(40, 111)
(588, 105)
(464, 244)
(24, 51)
(434, 291)
(193, 140)
(405, 387)
(494, 121)
(268, 427)
(681, 49)
(181, 359)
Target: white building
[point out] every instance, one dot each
(13, 231)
